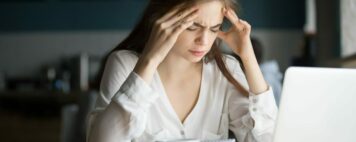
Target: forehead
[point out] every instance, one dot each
(210, 13)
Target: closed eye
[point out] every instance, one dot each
(192, 28)
(195, 26)
(215, 29)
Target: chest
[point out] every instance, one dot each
(183, 96)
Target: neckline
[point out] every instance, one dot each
(170, 107)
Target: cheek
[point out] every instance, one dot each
(184, 41)
(185, 37)
(212, 38)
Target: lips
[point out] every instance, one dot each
(197, 53)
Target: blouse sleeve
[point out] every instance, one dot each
(124, 97)
(252, 118)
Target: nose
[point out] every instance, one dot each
(202, 38)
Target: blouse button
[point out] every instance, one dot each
(182, 132)
(254, 109)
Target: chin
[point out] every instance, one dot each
(194, 59)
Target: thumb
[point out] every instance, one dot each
(222, 35)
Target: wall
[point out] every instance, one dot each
(280, 45)
(43, 32)
(25, 53)
(348, 29)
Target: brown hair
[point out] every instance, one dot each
(137, 39)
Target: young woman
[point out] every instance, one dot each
(168, 80)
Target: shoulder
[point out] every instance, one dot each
(230, 60)
(233, 67)
(232, 63)
(124, 55)
(124, 59)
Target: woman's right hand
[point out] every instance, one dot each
(164, 34)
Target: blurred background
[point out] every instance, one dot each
(51, 51)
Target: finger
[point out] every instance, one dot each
(246, 25)
(234, 13)
(189, 17)
(172, 12)
(179, 29)
(181, 15)
(231, 15)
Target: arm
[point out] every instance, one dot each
(124, 118)
(252, 118)
(253, 73)
(238, 39)
(122, 103)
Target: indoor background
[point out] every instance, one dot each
(51, 51)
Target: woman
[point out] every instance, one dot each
(171, 81)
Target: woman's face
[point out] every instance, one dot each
(197, 40)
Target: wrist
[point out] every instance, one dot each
(247, 55)
(145, 68)
(145, 64)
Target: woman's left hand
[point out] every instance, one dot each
(238, 39)
(238, 36)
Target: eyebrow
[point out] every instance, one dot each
(199, 25)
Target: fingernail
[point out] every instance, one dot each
(224, 10)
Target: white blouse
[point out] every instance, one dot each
(129, 109)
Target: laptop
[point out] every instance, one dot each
(317, 105)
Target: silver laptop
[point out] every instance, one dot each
(317, 105)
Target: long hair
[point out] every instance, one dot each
(137, 39)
